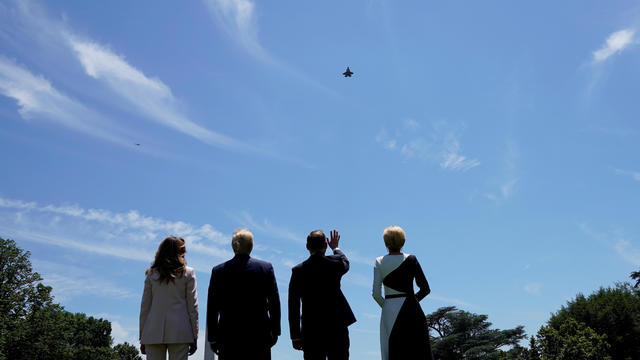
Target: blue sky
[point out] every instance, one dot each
(503, 137)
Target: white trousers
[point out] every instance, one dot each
(159, 351)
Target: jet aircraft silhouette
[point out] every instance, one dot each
(347, 73)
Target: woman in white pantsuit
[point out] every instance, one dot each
(403, 331)
(169, 307)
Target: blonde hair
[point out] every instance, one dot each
(242, 241)
(394, 238)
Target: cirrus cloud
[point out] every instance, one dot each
(616, 42)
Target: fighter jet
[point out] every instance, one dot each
(347, 73)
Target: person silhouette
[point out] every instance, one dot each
(403, 328)
(243, 308)
(322, 330)
(169, 306)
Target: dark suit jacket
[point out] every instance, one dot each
(243, 308)
(316, 284)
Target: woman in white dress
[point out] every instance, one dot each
(403, 329)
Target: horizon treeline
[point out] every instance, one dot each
(602, 326)
(34, 327)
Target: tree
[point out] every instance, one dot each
(127, 351)
(32, 326)
(636, 276)
(533, 353)
(464, 335)
(614, 312)
(572, 341)
(20, 290)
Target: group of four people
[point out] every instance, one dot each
(243, 309)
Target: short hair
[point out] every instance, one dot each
(242, 241)
(394, 237)
(316, 240)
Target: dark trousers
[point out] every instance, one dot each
(329, 345)
(247, 352)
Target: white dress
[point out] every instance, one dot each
(410, 338)
(390, 307)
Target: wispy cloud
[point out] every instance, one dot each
(615, 239)
(533, 288)
(507, 186)
(144, 95)
(635, 175)
(149, 96)
(356, 257)
(71, 281)
(37, 99)
(626, 251)
(616, 42)
(127, 235)
(507, 189)
(265, 227)
(385, 140)
(452, 301)
(237, 19)
(453, 159)
(439, 143)
(358, 279)
(133, 236)
(121, 334)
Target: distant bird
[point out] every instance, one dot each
(347, 73)
(137, 144)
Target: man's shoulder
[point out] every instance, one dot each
(315, 262)
(260, 263)
(298, 267)
(219, 267)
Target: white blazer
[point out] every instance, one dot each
(169, 311)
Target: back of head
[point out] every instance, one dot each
(242, 241)
(169, 261)
(394, 238)
(316, 241)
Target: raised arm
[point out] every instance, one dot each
(333, 244)
(192, 303)
(377, 284)
(145, 304)
(344, 262)
(422, 283)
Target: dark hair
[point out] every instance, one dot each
(316, 240)
(170, 262)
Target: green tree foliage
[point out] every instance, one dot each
(572, 341)
(533, 353)
(127, 351)
(464, 335)
(33, 327)
(613, 312)
(523, 353)
(636, 276)
(20, 292)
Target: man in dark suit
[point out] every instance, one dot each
(243, 308)
(326, 314)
